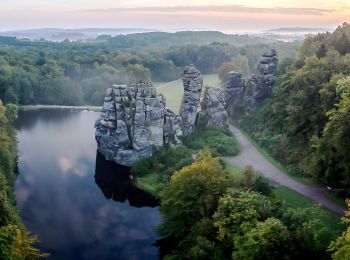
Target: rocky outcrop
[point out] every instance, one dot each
(172, 128)
(214, 106)
(234, 91)
(261, 84)
(134, 123)
(193, 83)
(243, 97)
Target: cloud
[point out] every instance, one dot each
(215, 9)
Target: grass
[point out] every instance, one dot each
(280, 166)
(173, 90)
(292, 199)
(150, 183)
(304, 180)
(219, 140)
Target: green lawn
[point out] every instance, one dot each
(292, 199)
(295, 200)
(173, 90)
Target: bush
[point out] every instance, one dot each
(165, 162)
(219, 140)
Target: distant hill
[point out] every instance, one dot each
(299, 30)
(165, 40)
(133, 41)
(58, 34)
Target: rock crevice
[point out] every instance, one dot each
(134, 123)
(192, 83)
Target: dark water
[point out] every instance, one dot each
(80, 205)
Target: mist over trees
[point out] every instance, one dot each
(74, 73)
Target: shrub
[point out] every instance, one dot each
(219, 140)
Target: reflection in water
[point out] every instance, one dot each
(114, 181)
(60, 201)
(30, 118)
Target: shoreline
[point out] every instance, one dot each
(76, 108)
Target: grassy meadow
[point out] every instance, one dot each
(173, 90)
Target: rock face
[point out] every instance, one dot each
(234, 91)
(134, 123)
(193, 83)
(262, 83)
(214, 105)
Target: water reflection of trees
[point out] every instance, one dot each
(28, 119)
(115, 183)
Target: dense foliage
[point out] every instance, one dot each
(73, 73)
(15, 241)
(306, 122)
(210, 214)
(154, 173)
(219, 140)
(340, 248)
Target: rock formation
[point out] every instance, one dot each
(234, 91)
(193, 83)
(214, 105)
(134, 123)
(261, 84)
(241, 96)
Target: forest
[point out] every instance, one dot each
(213, 211)
(209, 209)
(15, 241)
(305, 124)
(74, 73)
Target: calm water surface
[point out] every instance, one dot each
(79, 205)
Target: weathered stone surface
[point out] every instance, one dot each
(214, 105)
(134, 123)
(193, 83)
(234, 91)
(172, 128)
(262, 83)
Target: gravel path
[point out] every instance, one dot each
(251, 156)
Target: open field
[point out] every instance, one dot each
(173, 90)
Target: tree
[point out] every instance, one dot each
(240, 208)
(223, 71)
(267, 240)
(192, 194)
(137, 73)
(343, 43)
(331, 161)
(242, 64)
(340, 248)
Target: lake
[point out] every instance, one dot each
(78, 204)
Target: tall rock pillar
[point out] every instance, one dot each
(193, 83)
(234, 91)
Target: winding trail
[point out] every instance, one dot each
(251, 156)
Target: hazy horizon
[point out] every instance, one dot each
(227, 16)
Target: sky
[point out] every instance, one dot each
(223, 15)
